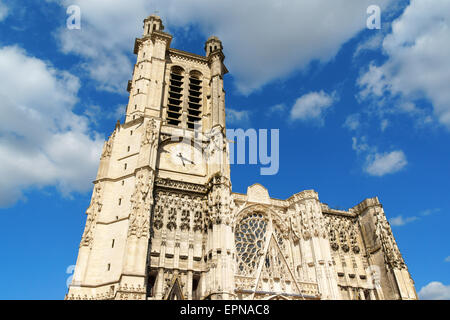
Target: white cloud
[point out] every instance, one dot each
(435, 291)
(400, 221)
(276, 109)
(378, 163)
(264, 40)
(352, 122)
(418, 64)
(360, 145)
(235, 117)
(4, 11)
(447, 259)
(384, 124)
(42, 142)
(119, 113)
(428, 212)
(385, 163)
(94, 113)
(312, 106)
(372, 43)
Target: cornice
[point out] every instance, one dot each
(188, 56)
(180, 185)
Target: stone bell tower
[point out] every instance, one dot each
(158, 225)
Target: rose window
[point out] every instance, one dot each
(250, 237)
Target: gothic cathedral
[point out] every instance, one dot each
(163, 222)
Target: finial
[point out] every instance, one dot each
(213, 44)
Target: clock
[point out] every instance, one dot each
(182, 157)
(183, 154)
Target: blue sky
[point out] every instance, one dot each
(361, 113)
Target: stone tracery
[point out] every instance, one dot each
(250, 239)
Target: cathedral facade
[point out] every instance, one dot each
(163, 222)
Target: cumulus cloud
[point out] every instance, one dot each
(258, 46)
(42, 142)
(352, 122)
(372, 43)
(312, 106)
(360, 145)
(235, 117)
(418, 64)
(380, 164)
(435, 291)
(400, 221)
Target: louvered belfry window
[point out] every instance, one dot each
(194, 114)
(175, 103)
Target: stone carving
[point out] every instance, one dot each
(198, 216)
(151, 133)
(127, 292)
(306, 216)
(141, 201)
(92, 213)
(383, 230)
(243, 282)
(215, 146)
(257, 193)
(107, 147)
(172, 219)
(275, 272)
(342, 233)
(179, 185)
(172, 204)
(281, 223)
(158, 215)
(185, 219)
(304, 195)
(333, 240)
(219, 201)
(250, 239)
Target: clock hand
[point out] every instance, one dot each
(182, 159)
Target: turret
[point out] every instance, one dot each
(215, 56)
(212, 45)
(152, 23)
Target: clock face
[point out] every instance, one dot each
(182, 157)
(182, 154)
